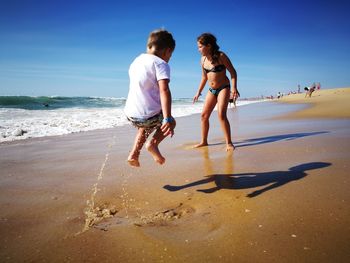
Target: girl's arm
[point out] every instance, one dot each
(227, 62)
(201, 84)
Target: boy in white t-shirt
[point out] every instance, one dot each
(148, 106)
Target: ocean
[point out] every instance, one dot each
(23, 117)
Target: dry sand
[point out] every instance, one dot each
(330, 103)
(281, 196)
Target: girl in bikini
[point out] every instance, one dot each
(214, 64)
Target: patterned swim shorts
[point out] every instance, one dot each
(150, 123)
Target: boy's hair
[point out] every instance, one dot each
(160, 39)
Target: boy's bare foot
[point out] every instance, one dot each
(200, 145)
(134, 162)
(154, 150)
(230, 147)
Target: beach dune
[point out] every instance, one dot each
(281, 196)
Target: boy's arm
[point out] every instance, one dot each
(169, 123)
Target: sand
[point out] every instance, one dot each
(281, 196)
(330, 103)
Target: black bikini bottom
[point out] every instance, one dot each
(216, 92)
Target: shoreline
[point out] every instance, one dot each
(65, 121)
(281, 196)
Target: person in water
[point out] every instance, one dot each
(214, 64)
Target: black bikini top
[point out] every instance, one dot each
(215, 69)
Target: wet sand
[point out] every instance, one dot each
(281, 196)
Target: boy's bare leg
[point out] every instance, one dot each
(140, 139)
(152, 146)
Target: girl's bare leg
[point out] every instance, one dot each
(209, 105)
(223, 99)
(152, 146)
(140, 139)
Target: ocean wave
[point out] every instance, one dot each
(58, 102)
(19, 124)
(22, 123)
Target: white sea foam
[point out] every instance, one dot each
(39, 123)
(16, 124)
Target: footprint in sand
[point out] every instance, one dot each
(105, 218)
(164, 217)
(182, 224)
(94, 216)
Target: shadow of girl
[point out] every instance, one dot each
(267, 180)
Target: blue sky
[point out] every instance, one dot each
(84, 48)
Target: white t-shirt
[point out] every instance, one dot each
(144, 97)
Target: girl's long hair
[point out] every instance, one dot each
(209, 39)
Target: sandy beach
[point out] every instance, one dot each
(281, 196)
(330, 103)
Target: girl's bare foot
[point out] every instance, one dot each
(230, 147)
(154, 150)
(200, 145)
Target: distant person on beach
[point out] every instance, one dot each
(318, 86)
(148, 106)
(309, 91)
(214, 64)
